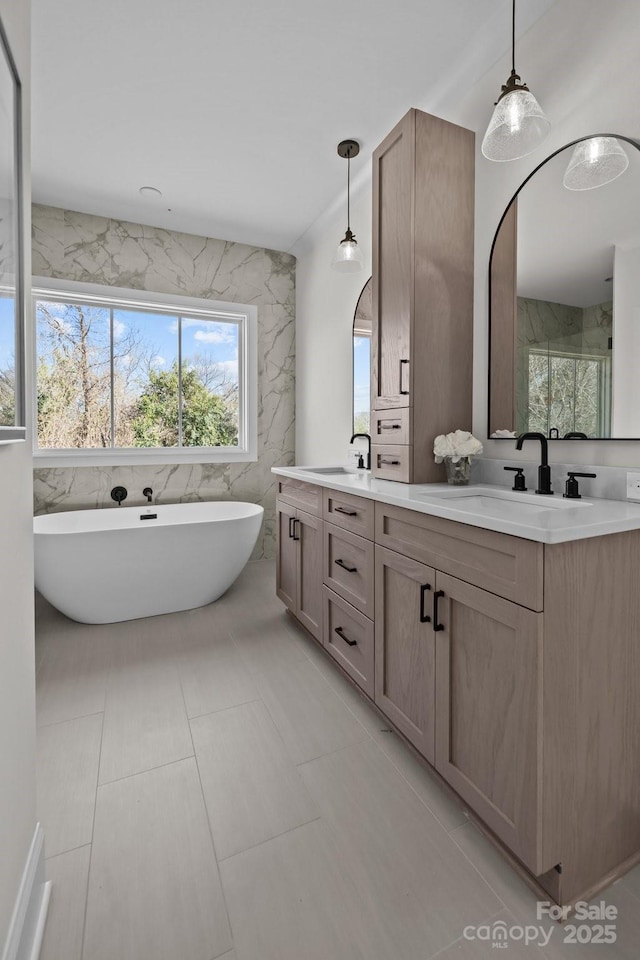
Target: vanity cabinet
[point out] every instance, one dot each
(423, 214)
(299, 565)
(405, 647)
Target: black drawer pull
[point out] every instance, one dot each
(437, 626)
(344, 566)
(347, 513)
(292, 520)
(390, 463)
(402, 365)
(352, 643)
(424, 618)
(294, 528)
(389, 426)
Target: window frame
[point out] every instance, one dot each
(245, 315)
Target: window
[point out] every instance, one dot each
(569, 392)
(127, 377)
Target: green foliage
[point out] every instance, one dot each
(207, 419)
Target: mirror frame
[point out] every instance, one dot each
(566, 146)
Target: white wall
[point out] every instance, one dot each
(580, 59)
(17, 704)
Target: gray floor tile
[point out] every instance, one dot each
(310, 716)
(154, 889)
(214, 675)
(72, 673)
(295, 898)
(145, 722)
(421, 883)
(266, 642)
(69, 873)
(252, 789)
(484, 941)
(67, 766)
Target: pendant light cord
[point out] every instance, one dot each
(349, 190)
(513, 38)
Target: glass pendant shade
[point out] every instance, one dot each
(595, 162)
(348, 256)
(517, 127)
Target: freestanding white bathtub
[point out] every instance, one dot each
(102, 566)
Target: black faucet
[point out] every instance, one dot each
(148, 493)
(544, 471)
(365, 436)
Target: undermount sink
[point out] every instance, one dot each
(475, 499)
(330, 471)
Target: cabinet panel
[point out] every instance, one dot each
(507, 566)
(309, 594)
(393, 266)
(488, 713)
(356, 514)
(306, 496)
(348, 636)
(391, 426)
(404, 652)
(286, 555)
(390, 462)
(348, 567)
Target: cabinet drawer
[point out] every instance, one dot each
(355, 514)
(508, 566)
(390, 426)
(348, 636)
(300, 494)
(389, 462)
(348, 567)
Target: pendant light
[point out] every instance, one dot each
(348, 256)
(595, 162)
(518, 124)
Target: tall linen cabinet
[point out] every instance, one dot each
(422, 338)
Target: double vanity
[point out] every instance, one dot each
(499, 633)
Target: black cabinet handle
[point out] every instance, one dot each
(295, 520)
(424, 618)
(437, 626)
(389, 426)
(390, 463)
(292, 520)
(402, 364)
(344, 566)
(347, 513)
(352, 643)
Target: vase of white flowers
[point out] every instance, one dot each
(456, 451)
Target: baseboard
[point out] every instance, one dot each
(30, 912)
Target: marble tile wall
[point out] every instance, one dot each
(77, 246)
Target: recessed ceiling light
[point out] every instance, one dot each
(150, 192)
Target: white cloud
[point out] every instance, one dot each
(361, 342)
(159, 361)
(231, 368)
(119, 329)
(213, 336)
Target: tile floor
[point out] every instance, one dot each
(210, 786)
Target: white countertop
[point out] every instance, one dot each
(545, 519)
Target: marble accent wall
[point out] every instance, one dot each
(77, 246)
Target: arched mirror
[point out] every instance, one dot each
(362, 321)
(565, 298)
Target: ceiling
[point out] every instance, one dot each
(234, 108)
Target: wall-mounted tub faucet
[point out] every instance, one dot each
(148, 493)
(119, 494)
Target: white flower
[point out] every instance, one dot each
(455, 445)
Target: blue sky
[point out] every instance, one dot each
(361, 374)
(7, 332)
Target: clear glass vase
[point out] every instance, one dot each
(458, 471)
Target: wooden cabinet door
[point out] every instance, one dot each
(286, 555)
(488, 710)
(393, 191)
(404, 646)
(308, 541)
